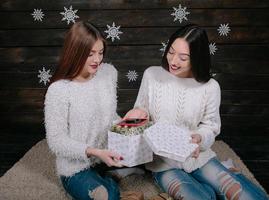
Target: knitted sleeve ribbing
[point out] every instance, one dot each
(209, 126)
(56, 124)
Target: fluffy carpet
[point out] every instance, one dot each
(33, 176)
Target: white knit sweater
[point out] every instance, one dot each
(181, 101)
(77, 116)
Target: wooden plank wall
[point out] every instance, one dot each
(240, 64)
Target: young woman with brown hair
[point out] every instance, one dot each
(80, 106)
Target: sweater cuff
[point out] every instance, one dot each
(78, 152)
(117, 119)
(207, 138)
(81, 150)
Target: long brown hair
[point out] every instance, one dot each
(77, 46)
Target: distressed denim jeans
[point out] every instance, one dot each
(90, 185)
(212, 181)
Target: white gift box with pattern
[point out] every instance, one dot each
(170, 141)
(133, 148)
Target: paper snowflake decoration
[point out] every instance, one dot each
(164, 44)
(180, 13)
(44, 76)
(212, 48)
(224, 29)
(132, 75)
(213, 74)
(113, 32)
(38, 15)
(69, 15)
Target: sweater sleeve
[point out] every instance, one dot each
(56, 123)
(209, 126)
(142, 100)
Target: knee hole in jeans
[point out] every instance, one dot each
(99, 193)
(173, 189)
(229, 187)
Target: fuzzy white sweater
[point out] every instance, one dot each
(78, 115)
(182, 102)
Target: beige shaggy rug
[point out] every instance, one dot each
(33, 176)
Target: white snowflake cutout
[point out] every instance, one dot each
(38, 15)
(44, 75)
(164, 44)
(132, 75)
(180, 13)
(224, 29)
(212, 48)
(113, 32)
(69, 15)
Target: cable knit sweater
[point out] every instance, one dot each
(77, 116)
(181, 101)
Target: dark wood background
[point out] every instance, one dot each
(240, 63)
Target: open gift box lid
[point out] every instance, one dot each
(170, 141)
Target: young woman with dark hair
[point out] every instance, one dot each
(80, 106)
(182, 93)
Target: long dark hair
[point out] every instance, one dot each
(198, 42)
(77, 46)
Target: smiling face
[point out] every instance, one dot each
(93, 61)
(178, 58)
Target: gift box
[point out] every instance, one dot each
(170, 141)
(133, 148)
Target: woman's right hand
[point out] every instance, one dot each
(196, 138)
(136, 114)
(108, 157)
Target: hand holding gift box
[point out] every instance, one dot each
(126, 138)
(170, 141)
(137, 143)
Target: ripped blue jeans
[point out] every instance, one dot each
(212, 181)
(90, 185)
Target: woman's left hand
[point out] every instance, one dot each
(196, 138)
